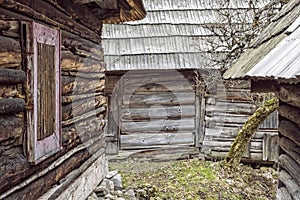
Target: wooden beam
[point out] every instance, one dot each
(263, 86)
(292, 167)
(290, 94)
(105, 4)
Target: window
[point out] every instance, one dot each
(43, 79)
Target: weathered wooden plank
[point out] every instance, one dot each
(71, 98)
(146, 140)
(159, 99)
(93, 171)
(290, 94)
(290, 130)
(10, 60)
(291, 166)
(172, 86)
(290, 184)
(159, 125)
(253, 145)
(10, 106)
(290, 112)
(11, 76)
(228, 119)
(80, 85)
(229, 107)
(158, 112)
(9, 91)
(77, 108)
(291, 148)
(75, 63)
(283, 194)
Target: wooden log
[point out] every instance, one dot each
(11, 76)
(48, 175)
(283, 194)
(290, 112)
(290, 148)
(289, 130)
(291, 166)
(11, 126)
(10, 60)
(82, 47)
(146, 140)
(290, 94)
(9, 45)
(72, 62)
(11, 106)
(9, 28)
(84, 116)
(80, 107)
(43, 11)
(71, 98)
(159, 125)
(290, 184)
(159, 99)
(81, 86)
(156, 112)
(83, 75)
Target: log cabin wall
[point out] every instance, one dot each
(289, 129)
(228, 106)
(83, 102)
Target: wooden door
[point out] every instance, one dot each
(157, 110)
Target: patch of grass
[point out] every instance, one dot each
(196, 179)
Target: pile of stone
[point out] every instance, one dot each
(111, 189)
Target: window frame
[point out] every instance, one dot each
(39, 150)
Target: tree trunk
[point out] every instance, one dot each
(244, 135)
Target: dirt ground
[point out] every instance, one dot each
(197, 179)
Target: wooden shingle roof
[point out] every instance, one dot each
(275, 53)
(173, 35)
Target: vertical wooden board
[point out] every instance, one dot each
(274, 148)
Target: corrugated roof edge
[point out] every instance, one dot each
(266, 43)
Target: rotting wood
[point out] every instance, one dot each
(10, 91)
(290, 94)
(10, 106)
(287, 163)
(11, 76)
(290, 130)
(10, 60)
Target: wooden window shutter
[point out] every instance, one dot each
(44, 83)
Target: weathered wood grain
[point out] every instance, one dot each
(66, 99)
(156, 112)
(283, 194)
(146, 140)
(11, 76)
(159, 125)
(288, 163)
(9, 91)
(9, 28)
(291, 148)
(290, 112)
(290, 94)
(290, 184)
(159, 99)
(80, 85)
(289, 130)
(11, 106)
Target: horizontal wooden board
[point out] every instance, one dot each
(254, 145)
(158, 112)
(159, 99)
(159, 125)
(229, 107)
(146, 140)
